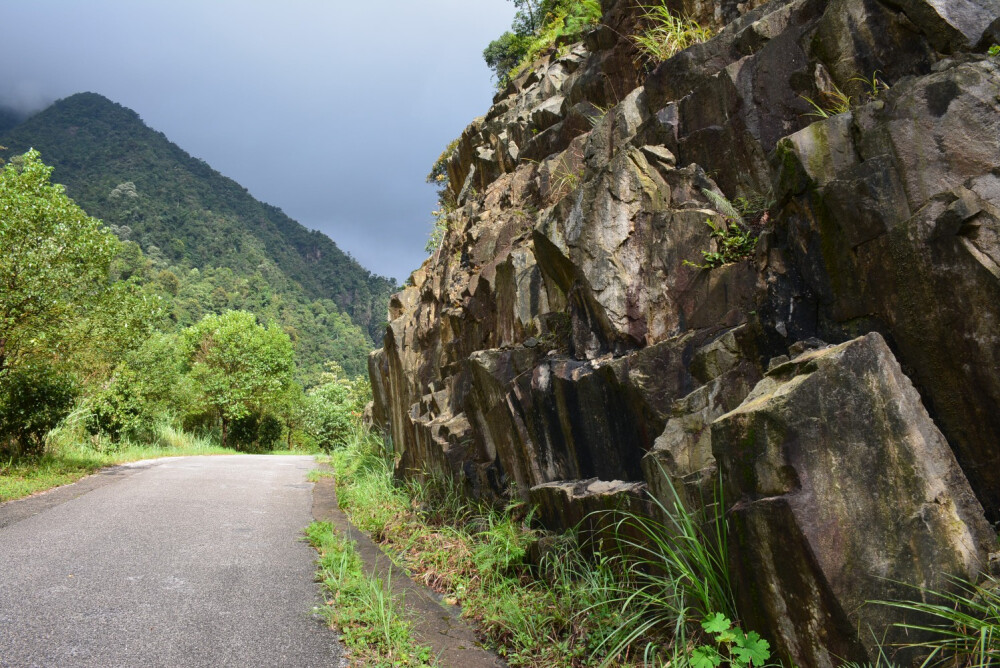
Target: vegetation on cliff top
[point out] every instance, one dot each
(538, 25)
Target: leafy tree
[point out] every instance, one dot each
(54, 261)
(238, 365)
(504, 53)
(146, 386)
(290, 410)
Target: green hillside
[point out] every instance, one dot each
(207, 245)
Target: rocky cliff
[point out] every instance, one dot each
(571, 343)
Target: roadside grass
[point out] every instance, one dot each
(70, 457)
(362, 607)
(316, 475)
(540, 599)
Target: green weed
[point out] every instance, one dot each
(317, 474)
(735, 237)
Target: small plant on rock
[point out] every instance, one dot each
(735, 237)
(667, 33)
(833, 102)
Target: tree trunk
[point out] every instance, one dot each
(225, 426)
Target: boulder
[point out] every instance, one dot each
(593, 505)
(843, 491)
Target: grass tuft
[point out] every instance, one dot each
(961, 627)
(667, 34)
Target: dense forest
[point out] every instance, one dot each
(199, 240)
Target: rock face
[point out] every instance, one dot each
(564, 345)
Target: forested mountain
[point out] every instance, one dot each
(207, 244)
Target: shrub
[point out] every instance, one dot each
(538, 25)
(333, 406)
(33, 399)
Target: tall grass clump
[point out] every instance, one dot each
(681, 574)
(666, 34)
(961, 627)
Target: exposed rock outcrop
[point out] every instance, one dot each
(564, 344)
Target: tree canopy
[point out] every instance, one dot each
(239, 365)
(54, 261)
(200, 241)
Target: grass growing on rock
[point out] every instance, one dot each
(666, 33)
(362, 607)
(537, 598)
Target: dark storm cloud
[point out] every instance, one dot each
(333, 111)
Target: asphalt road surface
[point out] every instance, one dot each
(196, 561)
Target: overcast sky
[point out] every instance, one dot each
(333, 111)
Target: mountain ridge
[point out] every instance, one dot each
(200, 239)
(96, 145)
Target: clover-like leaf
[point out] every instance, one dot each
(716, 623)
(752, 650)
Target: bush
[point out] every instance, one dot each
(117, 412)
(145, 387)
(333, 407)
(33, 399)
(255, 431)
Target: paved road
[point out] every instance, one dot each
(176, 562)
